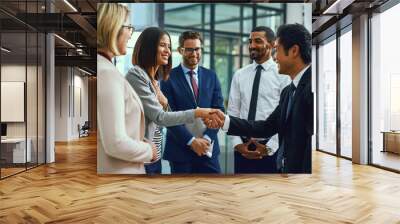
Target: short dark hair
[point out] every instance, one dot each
(269, 33)
(189, 35)
(296, 34)
(145, 51)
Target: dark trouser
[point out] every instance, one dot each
(154, 168)
(264, 165)
(203, 165)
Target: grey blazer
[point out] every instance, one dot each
(154, 113)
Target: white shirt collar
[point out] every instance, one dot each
(186, 69)
(297, 79)
(265, 65)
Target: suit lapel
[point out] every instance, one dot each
(303, 81)
(284, 107)
(185, 86)
(201, 84)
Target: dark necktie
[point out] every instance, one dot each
(194, 84)
(254, 95)
(253, 104)
(290, 101)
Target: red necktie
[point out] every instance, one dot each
(194, 84)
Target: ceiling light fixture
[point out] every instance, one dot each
(337, 7)
(331, 7)
(5, 50)
(65, 41)
(84, 71)
(70, 5)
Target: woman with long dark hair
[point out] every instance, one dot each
(152, 61)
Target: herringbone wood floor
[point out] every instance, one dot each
(69, 191)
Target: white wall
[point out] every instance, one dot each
(79, 117)
(33, 126)
(70, 84)
(62, 81)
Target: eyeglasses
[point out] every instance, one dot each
(191, 50)
(130, 28)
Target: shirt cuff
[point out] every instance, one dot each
(226, 124)
(207, 138)
(190, 141)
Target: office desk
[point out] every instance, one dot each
(13, 150)
(391, 141)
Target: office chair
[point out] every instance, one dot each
(84, 130)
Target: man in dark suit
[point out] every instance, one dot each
(292, 119)
(193, 149)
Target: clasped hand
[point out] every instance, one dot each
(212, 118)
(215, 119)
(260, 151)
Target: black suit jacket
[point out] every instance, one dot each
(296, 131)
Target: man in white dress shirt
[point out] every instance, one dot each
(254, 94)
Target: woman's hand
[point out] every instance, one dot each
(153, 149)
(212, 118)
(160, 96)
(155, 152)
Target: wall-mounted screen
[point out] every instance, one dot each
(12, 101)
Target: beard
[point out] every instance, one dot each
(192, 61)
(257, 54)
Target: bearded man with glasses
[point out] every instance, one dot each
(192, 148)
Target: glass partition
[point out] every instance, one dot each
(385, 89)
(15, 149)
(22, 88)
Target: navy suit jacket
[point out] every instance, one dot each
(296, 130)
(180, 97)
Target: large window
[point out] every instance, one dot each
(346, 93)
(335, 94)
(385, 89)
(327, 95)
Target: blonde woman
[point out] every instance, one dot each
(121, 148)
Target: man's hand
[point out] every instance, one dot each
(215, 120)
(261, 148)
(243, 149)
(200, 146)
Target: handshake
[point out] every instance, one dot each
(212, 118)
